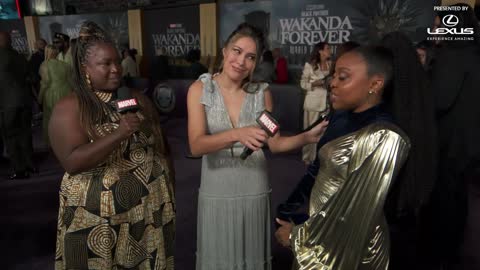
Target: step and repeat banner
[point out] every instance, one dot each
(232, 14)
(172, 32)
(8, 10)
(296, 26)
(115, 24)
(16, 28)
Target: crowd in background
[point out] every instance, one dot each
(436, 208)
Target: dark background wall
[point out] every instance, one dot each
(61, 7)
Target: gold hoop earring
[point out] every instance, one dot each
(89, 82)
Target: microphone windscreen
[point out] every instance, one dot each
(125, 102)
(268, 123)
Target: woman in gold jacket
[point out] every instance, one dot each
(347, 227)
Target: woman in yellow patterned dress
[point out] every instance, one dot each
(117, 207)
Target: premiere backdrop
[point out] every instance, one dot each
(16, 28)
(8, 10)
(296, 25)
(115, 24)
(172, 32)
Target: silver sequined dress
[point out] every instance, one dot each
(233, 229)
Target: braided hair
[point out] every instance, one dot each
(90, 106)
(247, 30)
(92, 109)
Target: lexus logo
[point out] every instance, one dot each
(450, 20)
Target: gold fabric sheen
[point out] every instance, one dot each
(347, 229)
(121, 214)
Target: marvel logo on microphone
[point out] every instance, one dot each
(268, 123)
(126, 104)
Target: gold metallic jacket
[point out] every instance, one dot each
(347, 229)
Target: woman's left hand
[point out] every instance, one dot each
(314, 134)
(283, 233)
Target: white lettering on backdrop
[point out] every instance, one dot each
(176, 42)
(313, 26)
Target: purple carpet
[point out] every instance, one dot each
(30, 206)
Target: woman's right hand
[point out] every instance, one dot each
(129, 124)
(252, 137)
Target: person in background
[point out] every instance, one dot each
(129, 65)
(265, 71)
(455, 206)
(37, 58)
(424, 51)
(35, 61)
(160, 68)
(55, 84)
(196, 68)
(281, 68)
(422, 54)
(62, 42)
(314, 83)
(15, 109)
(117, 206)
(71, 49)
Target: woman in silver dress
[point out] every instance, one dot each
(234, 199)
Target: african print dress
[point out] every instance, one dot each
(121, 214)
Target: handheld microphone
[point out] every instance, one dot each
(126, 103)
(320, 119)
(324, 115)
(266, 121)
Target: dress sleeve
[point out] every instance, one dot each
(207, 97)
(306, 75)
(337, 236)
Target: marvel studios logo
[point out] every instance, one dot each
(175, 25)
